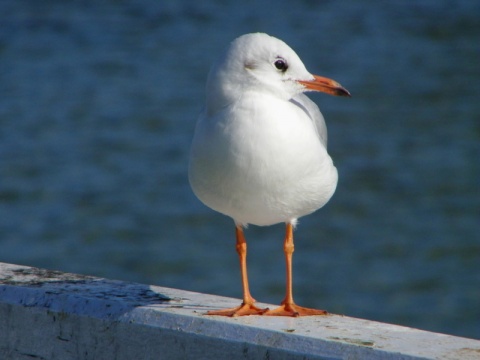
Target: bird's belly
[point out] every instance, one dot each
(281, 198)
(270, 197)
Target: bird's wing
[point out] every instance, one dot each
(312, 110)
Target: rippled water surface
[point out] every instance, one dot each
(98, 101)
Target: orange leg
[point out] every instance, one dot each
(247, 307)
(288, 307)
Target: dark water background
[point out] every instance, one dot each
(98, 101)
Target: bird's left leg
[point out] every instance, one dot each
(288, 306)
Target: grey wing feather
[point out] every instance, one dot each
(312, 110)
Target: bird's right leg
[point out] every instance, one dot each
(247, 307)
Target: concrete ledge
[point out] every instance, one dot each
(52, 315)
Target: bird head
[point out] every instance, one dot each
(259, 62)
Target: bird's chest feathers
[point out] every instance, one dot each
(269, 133)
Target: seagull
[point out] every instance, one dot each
(259, 151)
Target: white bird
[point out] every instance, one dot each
(259, 151)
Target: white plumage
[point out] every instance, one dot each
(259, 151)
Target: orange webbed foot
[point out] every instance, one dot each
(242, 310)
(294, 311)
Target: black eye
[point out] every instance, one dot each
(281, 65)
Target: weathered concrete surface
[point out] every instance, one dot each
(53, 315)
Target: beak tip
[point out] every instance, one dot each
(343, 92)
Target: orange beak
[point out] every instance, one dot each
(325, 85)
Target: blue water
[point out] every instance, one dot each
(98, 101)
